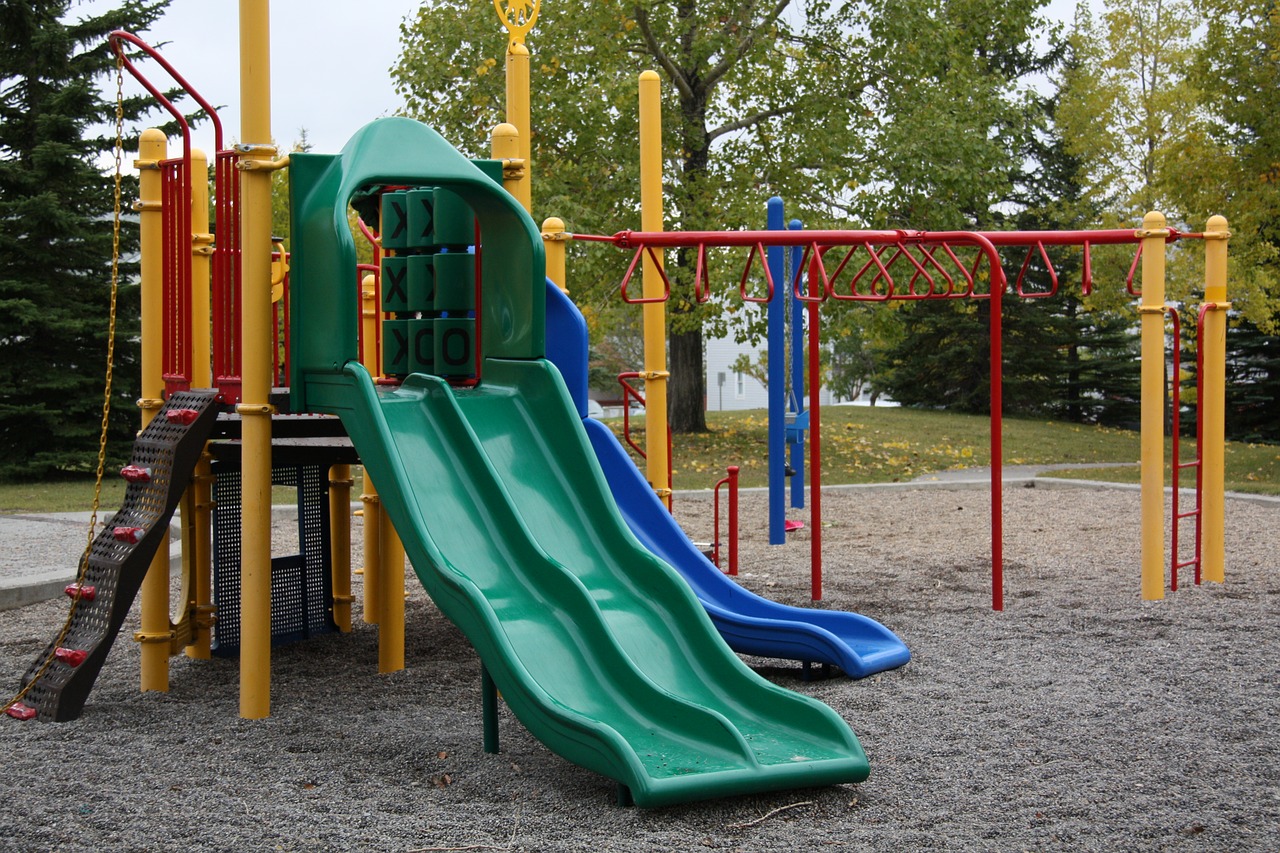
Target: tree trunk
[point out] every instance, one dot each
(687, 388)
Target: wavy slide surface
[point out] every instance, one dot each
(598, 647)
(749, 623)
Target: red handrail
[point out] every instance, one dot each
(732, 480)
(177, 201)
(630, 393)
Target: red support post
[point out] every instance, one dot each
(997, 446)
(815, 437)
(732, 480)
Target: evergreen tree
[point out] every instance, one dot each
(56, 207)
(1094, 374)
(1253, 384)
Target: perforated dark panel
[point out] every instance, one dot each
(301, 584)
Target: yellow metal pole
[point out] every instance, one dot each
(257, 338)
(202, 558)
(1153, 236)
(518, 114)
(519, 18)
(201, 253)
(197, 540)
(554, 239)
(655, 315)
(504, 145)
(372, 507)
(154, 633)
(391, 598)
(340, 543)
(1213, 406)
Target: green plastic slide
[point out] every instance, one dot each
(598, 647)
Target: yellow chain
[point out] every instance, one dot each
(106, 393)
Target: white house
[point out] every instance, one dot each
(731, 390)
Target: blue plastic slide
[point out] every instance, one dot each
(749, 623)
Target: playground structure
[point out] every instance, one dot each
(939, 265)
(956, 265)
(524, 520)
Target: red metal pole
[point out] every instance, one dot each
(715, 534)
(997, 449)
(733, 520)
(815, 442)
(1175, 425)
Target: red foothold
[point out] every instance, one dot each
(71, 657)
(87, 593)
(135, 474)
(132, 535)
(186, 417)
(20, 712)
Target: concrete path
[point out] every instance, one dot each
(1011, 472)
(41, 553)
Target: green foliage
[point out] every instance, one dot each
(56, 237)
(943, 357)
(759, 100)
(1238, 72)
(1128, 104)
(953, 110)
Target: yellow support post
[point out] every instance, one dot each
(504, 146)
(257, 338)
(554, 238)
(1213, 404)
(340, 544)
(201, 255)
(1153, 236)
(519, 18)
(154, 633)
(197, 540)
(655, 315)
(390, 598)
(372, 570)
(372, 511)
(202, 558)
(518, 114)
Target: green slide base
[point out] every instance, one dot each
(599, 649)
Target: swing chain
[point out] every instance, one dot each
(106, 394)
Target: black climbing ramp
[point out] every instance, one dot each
(164, 456)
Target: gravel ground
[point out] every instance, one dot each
(1080, 718)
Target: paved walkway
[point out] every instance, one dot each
(1010, 472)
(41, 552)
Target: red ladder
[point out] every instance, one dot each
(1176, 465)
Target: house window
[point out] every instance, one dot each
(739, 385)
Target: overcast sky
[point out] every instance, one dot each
(329, 63)
(329, 68)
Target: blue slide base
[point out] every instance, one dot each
(749, 623)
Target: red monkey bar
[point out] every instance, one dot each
(876, 266)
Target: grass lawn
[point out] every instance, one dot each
(887, 445)
(859, 445)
